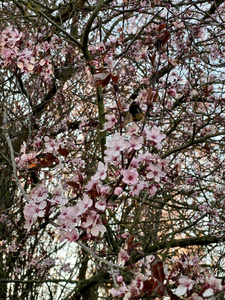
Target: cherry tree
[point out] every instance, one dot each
(112, 149)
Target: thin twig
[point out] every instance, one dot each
(106, 262)
(113, 276)
(12, 156)
(60, 28)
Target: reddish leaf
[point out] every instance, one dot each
(153, 285)
(150, 96)
(162, 26)
(149, 286)
(93, 193)
(161, 40)
(81, 178)
(115, 77)
(120, 105)
(77, 183)
(157, 270)
(73, 184)
(152, 59)
(130, 241)
(165, 38)
(102, 78)
(47, 160)
(63, 151)
(207, 148)
(155, 96)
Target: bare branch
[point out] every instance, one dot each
(12, 156)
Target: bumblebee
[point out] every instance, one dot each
(136, 112)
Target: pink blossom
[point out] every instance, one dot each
(196, 297)
(101, 205)
(156, 172)
(137, 188)
(89, 220)
(39, 194)
(27, 159)
(135, 143)
(143, 3)
(104, 190)
(101, 46)
(116, 145)
(83, 205)
(8, 55)
(49, 262)
(119, 291)
(152, 190)
(91, 184)
(215, 212)
(113, 159)
(135, 162)
(125, 235)
(71, 235)
(17, 160)
(189, 180)
(69, 216)
(28, 223)
(12, 36)
(92, 48)
(208, 292)
(110, 63)
(46, 71)
(37, 142)
(111, 121)
(96, 228)
(172, 92)
(32, 211)
(93, 224)
(136, 286)
(205, 208)
(213, 285)
(119, 279)
(51, 146)
(118, 190)
(102, 172)
(130, 177)
(26, 60)
(123, 257)
(185, 284)
(66, 267)
(155, 136)
(133, 129)
(58, 197)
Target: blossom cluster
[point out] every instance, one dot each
(145, 170)
(185, 278)
(23, 52)
(81, 216)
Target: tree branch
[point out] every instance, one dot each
(192, 142)
(12, 156)
(106, 262)
(198, 241)
(87, 29)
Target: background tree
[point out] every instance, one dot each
(95, 205)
